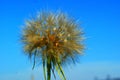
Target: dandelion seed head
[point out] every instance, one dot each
(54, 34)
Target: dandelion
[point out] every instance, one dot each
(52, 38)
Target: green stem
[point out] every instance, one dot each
(53, 67)
(48, 69)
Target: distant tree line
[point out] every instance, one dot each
(107, 78)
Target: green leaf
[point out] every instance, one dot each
(44, 69)
(60, 72)
(34, 60)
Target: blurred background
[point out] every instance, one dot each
(99, 19)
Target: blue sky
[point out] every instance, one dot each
(100, 20)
